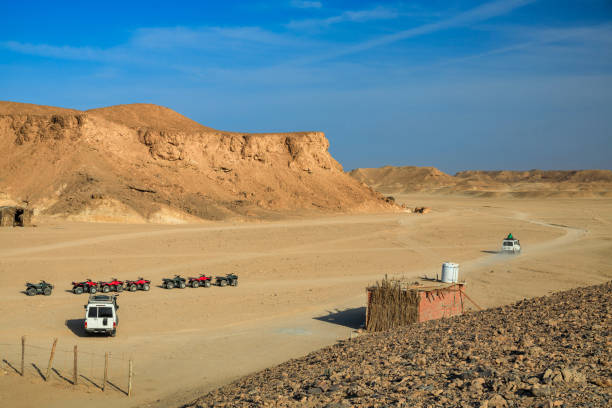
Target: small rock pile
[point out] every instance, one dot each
(552, 351)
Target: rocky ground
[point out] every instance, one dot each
(542, 352)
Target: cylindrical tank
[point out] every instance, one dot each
(450, 272)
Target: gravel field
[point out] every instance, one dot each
(544, 352)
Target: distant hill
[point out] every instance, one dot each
(532, 183)
(147, 163)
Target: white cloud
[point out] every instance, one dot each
(477, 14)
(378, 13)
(306, 4)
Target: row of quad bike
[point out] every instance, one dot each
(115, 285)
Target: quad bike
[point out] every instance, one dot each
(176, 282)
(140, 283)
(113, 284)
(86, 286)
(43, 288)
(229, 279)
(202, 280)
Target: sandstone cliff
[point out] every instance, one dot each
(143, 162)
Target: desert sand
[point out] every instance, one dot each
(301, 287)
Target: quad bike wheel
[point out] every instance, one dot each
(207, 284)
(93, 290)
(31, 291)
(47, 291)
(78, 290)
(146, 286)
(234, 282)
(223, 282)
(133, 288)
(195, 284)
(182, 285)
(119, 288)
(105, 289)
(169, 285)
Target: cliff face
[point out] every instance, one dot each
(145, 162)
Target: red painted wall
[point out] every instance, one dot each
(439, 303)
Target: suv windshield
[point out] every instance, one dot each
(508, 243)
(105, 312)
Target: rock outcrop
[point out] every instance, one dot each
(137, 162)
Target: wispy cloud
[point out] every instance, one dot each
(477, 14)
(65, 52)
(378, 13)
(306, 4)
(207, 37)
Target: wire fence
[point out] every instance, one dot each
(56, 362)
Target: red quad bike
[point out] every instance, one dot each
(140, 283)
(202, 280)
(114, 285)
(86, 286)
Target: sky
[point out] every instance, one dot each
(458, 85)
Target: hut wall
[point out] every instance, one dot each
(391, 306)
(439, 303)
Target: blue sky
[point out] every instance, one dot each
(498, 84)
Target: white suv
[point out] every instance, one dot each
(511, 246)
(101, 315)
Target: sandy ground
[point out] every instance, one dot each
(301, 288)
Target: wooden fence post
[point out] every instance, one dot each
(51, 360)
(105, 371)
(75, 374)
(22, 354)
(130, 379)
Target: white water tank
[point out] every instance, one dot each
(450, 272)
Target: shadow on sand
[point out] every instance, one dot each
(353, 318)
(77, 327)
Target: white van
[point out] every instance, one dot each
(101, 315)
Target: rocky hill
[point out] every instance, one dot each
(532, 183)
(551, 351)
(140, 162)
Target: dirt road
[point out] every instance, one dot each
(301, 287)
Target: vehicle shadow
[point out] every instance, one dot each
(353, 318)
(490, 252)
(77, 327)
